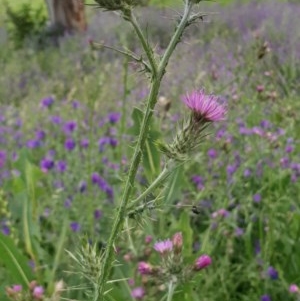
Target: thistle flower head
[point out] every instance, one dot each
(205, 108)
(202, 262)
(164, 246)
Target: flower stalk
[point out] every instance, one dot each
(157, 75)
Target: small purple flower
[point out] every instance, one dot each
(33, 144)
(294, 289)
(247, 173)
(5, 230)
(212, 153)
(75, 227)
(145, 268)
(202, 262)
(138, 293)
(239, 232)
(289, 149)
(38, 292)
(2, 158)
(102, 142)
(84, 143)
(70, 144)
(205, 108)
(46, 164)
(273, 274)
(164, 246)
(114, 117)
(257, 198)
(40, 135)
(113, 142)
(47, 102)
(17, 288)
(55, 119)
(61, 166)
(97, 214)
(70, 126)
(82, 186)
(265, 298)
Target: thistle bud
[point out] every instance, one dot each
(177, 242)
(202, 262)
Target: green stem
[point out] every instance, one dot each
(148, 50)
(151, 101)
(171, 290)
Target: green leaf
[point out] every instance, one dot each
(151, 156)
(15, 263)
(187, 233)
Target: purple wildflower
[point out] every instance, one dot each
(164, 246)
(202, 262)
(294, 289)
(145, 268)
(46, 164)
(138, 293)
(38, 292)
(273, 274)
(2, 158)
(257, 198)
(5, 230)
(47, 102)
(61, 166)
(17, 288)
(70, 127)
(82, 186)
(84, 143)
(75, 227)
(114, 117)
(70, 144)
(265, 298)
(212, 153)
(97, 214)
(33, 144)
(55, 119)
(205, 107)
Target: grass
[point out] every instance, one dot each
(236, 199)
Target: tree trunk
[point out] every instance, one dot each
(67, 15)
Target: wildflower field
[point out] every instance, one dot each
(134, 170)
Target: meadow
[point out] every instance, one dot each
(228, 216)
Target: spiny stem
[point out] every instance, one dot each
(157, 75)
(147, 48)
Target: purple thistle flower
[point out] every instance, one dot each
(293, 289)
(33, 144)
(202, 262)
(205, 107)
(38, 292)
(70, 144)
(138, 293)
(5, 230)
(17, 288)
(144, 268)
(164, 246)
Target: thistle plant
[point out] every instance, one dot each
(204, 110)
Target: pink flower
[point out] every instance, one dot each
(38, 292)
(202, 262)
(138, 293)
(177, 242)
(205, 107)
(294, 288)
(164, 246)
(17, 288)
(144, 268)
